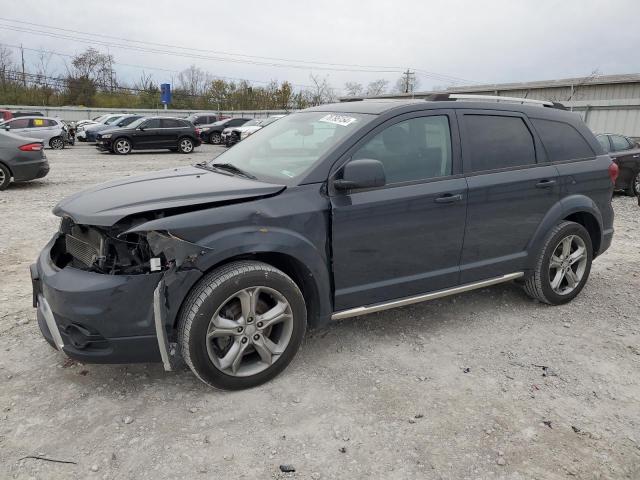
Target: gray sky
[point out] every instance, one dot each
(482, 41)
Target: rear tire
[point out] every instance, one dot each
(633, 190)
(5, 177)
(241, 325)
(57, 143)
(185, 145)
(563, 266)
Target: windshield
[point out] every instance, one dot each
(137, 122)
(112, 119)
(126, 121)
(291, 146)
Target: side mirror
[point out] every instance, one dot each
(361, 173)
(141, 129)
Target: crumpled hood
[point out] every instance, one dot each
(106, 204)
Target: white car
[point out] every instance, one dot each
(233, 135)
(51, 131)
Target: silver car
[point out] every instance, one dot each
(51, 131)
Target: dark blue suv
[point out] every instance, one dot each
(332, 212)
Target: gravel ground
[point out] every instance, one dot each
(484, 385)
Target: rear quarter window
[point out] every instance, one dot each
(561, 140)
(495, 142)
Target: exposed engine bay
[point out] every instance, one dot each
(112, 251)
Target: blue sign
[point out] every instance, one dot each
(165, 91)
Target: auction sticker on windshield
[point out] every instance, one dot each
(342, 120)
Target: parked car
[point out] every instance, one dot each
(5, 115)
(213, 133)
(84, 123)
(92, 131)
(205, 118)
(626, 153)
(176, 134)
(21, 159)
(27, 114)
(332, 212)
(89, 133)
(51, 131)
(232, 135)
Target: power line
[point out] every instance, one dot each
(196, 49)
(141, 67)
(182, 54)
(306, 63)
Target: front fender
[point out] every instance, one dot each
(241, 242)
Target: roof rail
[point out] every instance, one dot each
(494, 98)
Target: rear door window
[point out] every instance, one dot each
(171, 123)
(561, 140)
(495, 142)
(619, 143)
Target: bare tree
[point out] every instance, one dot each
(377, 87)
(6, 63)
(193, 80)
(322, 91)
(95, 67)
(354, 89)
(402, 87)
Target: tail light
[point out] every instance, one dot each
(31, 147)
(613, 172)
(198, 131)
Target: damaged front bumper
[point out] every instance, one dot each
(104, 318)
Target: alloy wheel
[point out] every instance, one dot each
(186, 145)
(3, 177)
(636, 184)
(249, 331)
(123, 147)
(57, 144)
(567, 264)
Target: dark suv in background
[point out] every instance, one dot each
(213, 133)
(332, 212)
(626, 153)
(205, 118)
(175, 134)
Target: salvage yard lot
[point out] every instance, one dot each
(488, 384)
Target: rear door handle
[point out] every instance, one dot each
(545, 183)
(448, 198)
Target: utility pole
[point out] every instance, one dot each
(408, 80)
(24, 78)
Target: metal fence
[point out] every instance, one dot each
(84, 113)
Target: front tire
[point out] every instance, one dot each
(57, 143)
(563, 267)
(5, 177)
(241, 325)
(215, 138)
(121, 146)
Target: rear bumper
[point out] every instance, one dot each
(607, 238)
(95, 318)
(30, 170)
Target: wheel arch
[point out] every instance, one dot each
(288, 253)
(7, 167)
(576, 208)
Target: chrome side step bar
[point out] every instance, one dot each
(378, 307)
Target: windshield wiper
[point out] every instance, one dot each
(228, 167)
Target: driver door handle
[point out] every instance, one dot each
(545, 183)
(448, 198)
